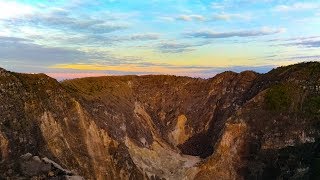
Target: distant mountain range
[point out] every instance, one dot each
(232, 126)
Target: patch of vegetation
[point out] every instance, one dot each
(278, 98)
(292, 162)
(19, 126)
(315, 166)
(311, 106)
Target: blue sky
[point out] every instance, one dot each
(76, 38)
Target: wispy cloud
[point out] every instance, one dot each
(301, 38)
(300, 6)
(143, 37)
(231, 16)
(64, 21)
(175, 47)
(27, 52)
(178, 47)
(306, 43)
(200, 18)
(58, 25)
(191, 17)
(23, 50)
(239, 33)
(306, 58)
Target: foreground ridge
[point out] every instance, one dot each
(232, 126)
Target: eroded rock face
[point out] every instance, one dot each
(232, 126)
(227, 160)
(179, 135)
(3, 146)
(34, 167)
(161, 161)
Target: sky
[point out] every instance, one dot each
(198, 38)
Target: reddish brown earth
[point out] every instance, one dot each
(232, 126)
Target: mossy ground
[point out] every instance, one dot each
(279, 98)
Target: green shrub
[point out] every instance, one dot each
(278, 98)
(311, 106)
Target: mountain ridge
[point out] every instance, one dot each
(231, 126)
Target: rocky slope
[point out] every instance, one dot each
(232, 126)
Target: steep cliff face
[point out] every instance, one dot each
(233, 126)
